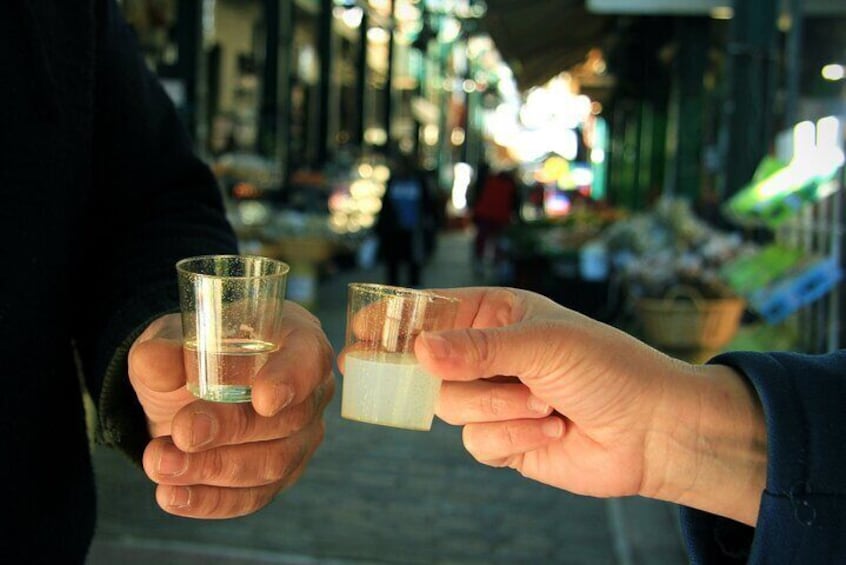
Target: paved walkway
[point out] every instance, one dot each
(375, 495)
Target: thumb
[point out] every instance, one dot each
(156, 358)
(157, 373)
(157, 365)
(522, 350)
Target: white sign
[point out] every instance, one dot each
(699, 7)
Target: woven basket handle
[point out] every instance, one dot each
(685, 291)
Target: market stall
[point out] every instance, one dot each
(564, 259)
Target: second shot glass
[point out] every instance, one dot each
(383, 383)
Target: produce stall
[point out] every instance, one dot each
(564, 259)
(671, 265)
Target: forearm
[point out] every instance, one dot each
(708, 447)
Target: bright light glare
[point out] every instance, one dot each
(597, 155)
(457, 136)
(582, 176)
(804, 139)
(352, 17)
(828, 132)
(430, 134)
(378, 35)
(450, 30)
(833, 72)
(381, 173)
(375, 136)
(365, 170)
(722, 13)
(462, 176)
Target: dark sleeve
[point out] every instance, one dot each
(153, 202)
(802, 518)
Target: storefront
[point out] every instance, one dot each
(618, 128)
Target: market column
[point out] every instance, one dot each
(752, 57)
(326, 52)
(689, 106)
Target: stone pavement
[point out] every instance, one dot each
(375, 495)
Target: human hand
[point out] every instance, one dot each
(213, 460)
(582, 406)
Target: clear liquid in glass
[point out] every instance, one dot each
(227, 370)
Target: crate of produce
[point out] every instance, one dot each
(751, 273)
(803, 286)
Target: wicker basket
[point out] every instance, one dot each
(685, 320)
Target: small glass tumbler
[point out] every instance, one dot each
(231, 321)
(383, 383)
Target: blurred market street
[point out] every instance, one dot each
(380, 495)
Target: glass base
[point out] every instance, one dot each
(223, 393)
(416, 426)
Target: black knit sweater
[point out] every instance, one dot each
(100, 194)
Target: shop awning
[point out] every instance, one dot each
(540, 39)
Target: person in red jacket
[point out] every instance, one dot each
(494, 207)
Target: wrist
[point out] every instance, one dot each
(707, 444)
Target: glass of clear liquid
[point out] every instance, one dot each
(383, 383)
(231, 309)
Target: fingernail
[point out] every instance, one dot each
(538, 405)
(553, 428)
(172, 461)
(284, 395)
(180, 497)
(202, 429)
(438, 346)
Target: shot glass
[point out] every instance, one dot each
(383, 383)
(231, 309)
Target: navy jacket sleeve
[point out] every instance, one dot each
(803, 509)
(152, 202)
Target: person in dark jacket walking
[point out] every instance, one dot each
(751, 445)
(407, 222)
(102, 194)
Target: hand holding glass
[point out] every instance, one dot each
(383, 383)
(231, 321)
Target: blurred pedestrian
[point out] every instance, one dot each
(494, 207)
(407, 223)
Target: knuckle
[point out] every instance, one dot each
(515, 462)
(511, 435)
(495, 402)
(329, 390)
(273, 467)
(323, 394)
(243, 423)
(298, 418)
(215, 468)
(479, 346)
(213, 502)
(260, 497)
(472, 443)
(320, 433)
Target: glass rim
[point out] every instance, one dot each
(182, 266)
(379, 289)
